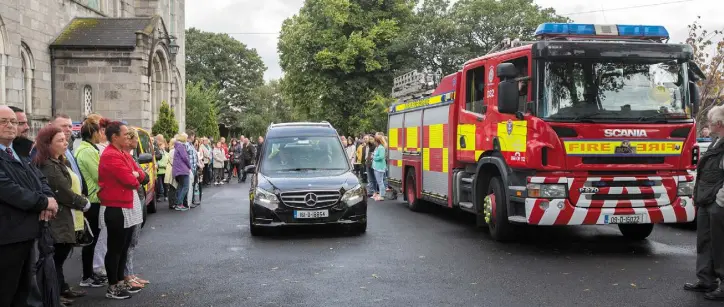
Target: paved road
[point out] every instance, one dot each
(206, 257)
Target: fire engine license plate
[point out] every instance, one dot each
(311, 214)
(624, 219)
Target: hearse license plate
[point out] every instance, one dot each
(624, 219)
(311, 214)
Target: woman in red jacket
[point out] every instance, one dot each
(118, 177)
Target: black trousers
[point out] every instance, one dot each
(88, 251)
(62, 251)
(233, 166)
(207, 174)
(119, 240)
(244, 163)
(710, 244)
(15, 270)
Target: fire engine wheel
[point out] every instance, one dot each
(636, 231)
(496, 212)
(411, 192)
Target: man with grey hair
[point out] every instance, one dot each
(25, 198)
(709, 200)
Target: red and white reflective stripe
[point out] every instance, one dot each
(561, 212)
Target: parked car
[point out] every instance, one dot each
(303, 177)
(146, 158)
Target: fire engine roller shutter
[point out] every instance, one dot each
(395, 138)
(435, 144)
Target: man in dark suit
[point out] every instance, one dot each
(25, 198)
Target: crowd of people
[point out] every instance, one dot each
(92, 197)
(188, 164)
(368, 153)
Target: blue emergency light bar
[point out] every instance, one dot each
(576, 29)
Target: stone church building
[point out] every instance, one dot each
(118, 58)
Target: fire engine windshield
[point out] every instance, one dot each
(621, 90)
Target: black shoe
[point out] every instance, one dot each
(716, 295)
(699, 287)
(70, 293)
(117, 292)
(131, 289)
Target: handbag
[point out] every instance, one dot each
(84, 237)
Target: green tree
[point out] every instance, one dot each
(708, 46)
(218, 59)
(337, 55)
(201, 109)
(267, 105)
(166, 124)
(437, 38)
(485, 23)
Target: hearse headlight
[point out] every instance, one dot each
(354, 195)
(266, 199)
(541, 190)
(685, 188)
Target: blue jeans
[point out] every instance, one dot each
(380, 178)
(183, 188)
(160, 188)
(371, 182)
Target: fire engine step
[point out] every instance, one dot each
(517, 219)
(467, 180)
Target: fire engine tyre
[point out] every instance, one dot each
(500, 228)
(413, 203)
(636, 231)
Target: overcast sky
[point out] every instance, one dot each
(266, 16)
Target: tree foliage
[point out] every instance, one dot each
(339, 54)
(267, 105)
(201, 112)
(166, 124)
(219, 60)
(709, 56)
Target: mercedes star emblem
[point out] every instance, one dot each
(310, 199)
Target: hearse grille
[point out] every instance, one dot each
(303, 199)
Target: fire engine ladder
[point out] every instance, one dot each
(414, 85)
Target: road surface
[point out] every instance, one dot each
(206, 257)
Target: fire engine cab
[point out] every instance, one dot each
(586, 125)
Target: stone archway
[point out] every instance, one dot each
(179, 107)
(160, 90)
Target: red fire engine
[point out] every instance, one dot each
(587, 125)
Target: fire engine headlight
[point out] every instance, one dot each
(354, 195)
(685, 188)
(265, 198)
(540, 190)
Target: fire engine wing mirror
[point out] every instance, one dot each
(508, 97)
(507, 71)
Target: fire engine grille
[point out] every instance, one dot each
(623, 160)
(298, 199)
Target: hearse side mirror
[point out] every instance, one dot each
(507, 88)
(145, 158)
